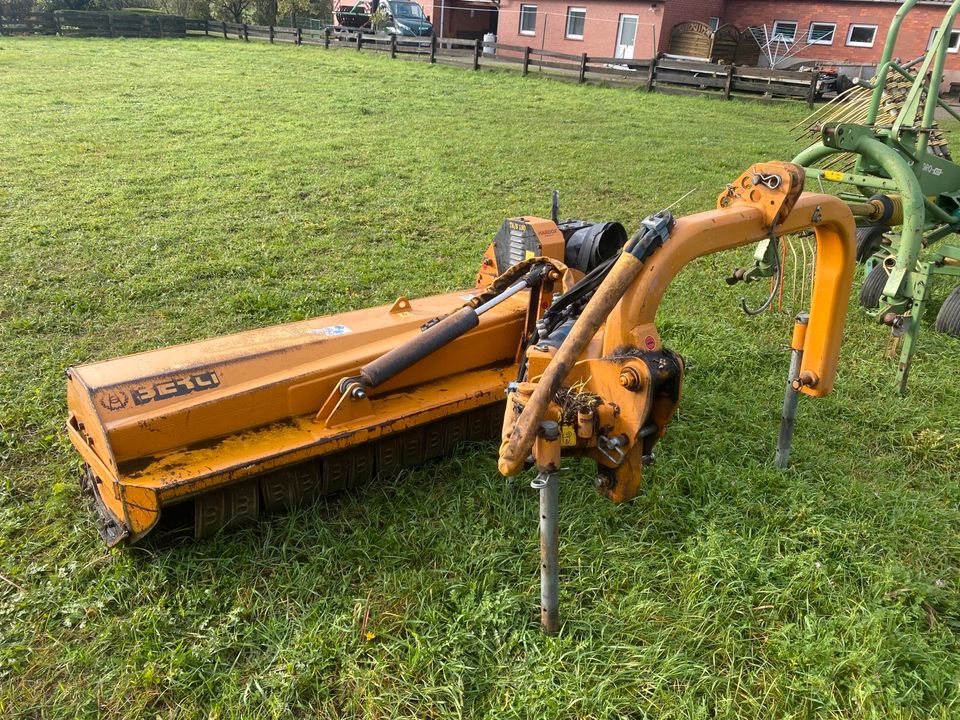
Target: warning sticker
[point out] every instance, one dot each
(332, 330)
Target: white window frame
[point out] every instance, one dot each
(774, 35)
(954, 45)
(833, 33)
(854, 26)
(713, 23)
(528, 6)
(570, 10)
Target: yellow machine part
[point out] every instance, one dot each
(219, 430)
(613, 358)
(198, 421)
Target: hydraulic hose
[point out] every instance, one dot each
(629, 263)
(392, 363)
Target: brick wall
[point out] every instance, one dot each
(600, 27)
(913, 39)
(656, 18)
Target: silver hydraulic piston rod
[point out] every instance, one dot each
(788, 418)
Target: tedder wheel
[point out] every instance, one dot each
(869, 239)
(872, 287)
(948, 319)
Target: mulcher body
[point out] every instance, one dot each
(560, 323)
(221, 430)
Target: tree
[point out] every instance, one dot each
(233, 10)
(293, 9)
(198, 9)
(265, 12)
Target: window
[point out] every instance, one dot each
(954, 44)
(576, 19)
(861, 35)
(528, 19)
(784, 31)
(714, 23)
(821, 33)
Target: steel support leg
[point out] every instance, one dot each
(788, 417)
(549, 489)
(921, 288)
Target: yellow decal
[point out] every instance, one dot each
(528, 254)
(568, 436)
(833, 175)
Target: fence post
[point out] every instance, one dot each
(526, 60)
(393, 45)
(433, 48)
(246, 35)
(225, 30)
(271, 34)
(206, 27)
(650, 75)
(326, 38)
(583, 68)
(728, 83)
(360, 40)
(812, 95)
(110, 24)
(476, 53)
(299, 38)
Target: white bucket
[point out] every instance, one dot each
(489, 38)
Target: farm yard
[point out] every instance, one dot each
(159, 192)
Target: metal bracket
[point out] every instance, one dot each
(612, 448)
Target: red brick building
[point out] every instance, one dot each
(467, 19)
(605, 28)
(848, 33)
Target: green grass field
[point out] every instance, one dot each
(156, 192)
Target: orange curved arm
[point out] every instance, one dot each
(632, 321)
(627, 301)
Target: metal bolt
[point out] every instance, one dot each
(806, 379)
(550, 430)
(358, 393)
(630, 379)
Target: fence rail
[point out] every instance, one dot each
(82, 23)
(662, 75)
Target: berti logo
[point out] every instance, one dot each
(176, 388)
(116, 400)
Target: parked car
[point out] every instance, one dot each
(398, 17)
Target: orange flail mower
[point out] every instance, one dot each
(555, 350)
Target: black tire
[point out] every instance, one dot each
(948, 319)
(872, 287)
(869, 240)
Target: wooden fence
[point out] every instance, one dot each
(79, 23)
(663, 75)
(36, 24)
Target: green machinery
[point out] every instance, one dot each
(880, 140)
